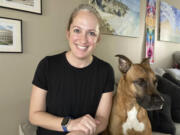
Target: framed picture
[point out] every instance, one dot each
(32, 6)
(169, 23)
(119, 17)
(10, 35)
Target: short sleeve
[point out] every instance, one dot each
(109, 83)
(40, 77)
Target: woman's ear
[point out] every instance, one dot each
(99, 38)
(67, 34)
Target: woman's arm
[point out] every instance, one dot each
(103, 111)
(39, 117)
(89, 125)
(37, 111)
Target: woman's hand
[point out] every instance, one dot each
(86, 123)
(76, 133)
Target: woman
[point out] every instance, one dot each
(72, 91)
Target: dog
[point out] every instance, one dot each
(135, 94)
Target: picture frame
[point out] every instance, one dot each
(31, 6)
(10, 35)
(169, 26)
(119, 17)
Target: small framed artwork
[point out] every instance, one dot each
(10, 35)
(32, 6)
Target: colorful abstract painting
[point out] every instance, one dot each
(150, 29)
(120, 17)
(169, 23)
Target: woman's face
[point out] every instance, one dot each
(83, 34)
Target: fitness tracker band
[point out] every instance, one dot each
(64, 123)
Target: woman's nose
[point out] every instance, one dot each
(83, 38)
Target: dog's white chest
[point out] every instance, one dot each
(132, 122)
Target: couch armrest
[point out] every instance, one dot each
(26, 128)
(177, 125)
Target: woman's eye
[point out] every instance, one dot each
(92, 33)
(76, 30)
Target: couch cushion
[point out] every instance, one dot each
(161, 120)
(158, 133)
(174, 72)
(167, 87)
(171, 78)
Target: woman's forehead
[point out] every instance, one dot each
(85, 19)
(85, 13)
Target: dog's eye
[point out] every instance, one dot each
(140, 82)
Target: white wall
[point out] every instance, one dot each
(44, 35)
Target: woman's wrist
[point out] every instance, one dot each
(64, 124)
(69, 125)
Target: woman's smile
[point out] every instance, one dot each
(82, 48)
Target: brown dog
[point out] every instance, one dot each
(136, 92)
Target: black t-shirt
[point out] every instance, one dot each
(72, 91)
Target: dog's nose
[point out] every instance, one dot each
(157, 100)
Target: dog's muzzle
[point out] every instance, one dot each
(150, 103)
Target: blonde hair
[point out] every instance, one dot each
(87, 7)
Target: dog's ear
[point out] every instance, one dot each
(124, 63)
(145, 62)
